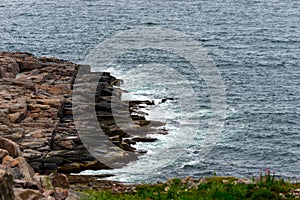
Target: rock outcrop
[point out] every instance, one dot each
(36, 114)
(37, 130)
(19, 182)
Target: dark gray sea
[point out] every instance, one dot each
(255, 45)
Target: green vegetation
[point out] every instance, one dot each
(265, 187)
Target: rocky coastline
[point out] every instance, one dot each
(40, 146)
(37, 131)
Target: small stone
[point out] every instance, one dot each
(61, 194)
(15, 173)
(45, 148)
(58, 90)
(68, 144)
(59, 180)
(5, 129)
(12, 147)
(17, 107)
(17, 117)
(9, 161)
(26, 194)
(296, 193)
(144, 139)
(127, 147)
(203, 180)
(36, 108)
(6, 182)
(48, 193)
(44, 181)
(282, 195)
(30, 153)
(25, 184)
(54, 90)
(166, 189)
(55, 103)
(72, 196)
(243, 181)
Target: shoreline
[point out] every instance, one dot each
(38, 135)
(40, 148)
(37, 113)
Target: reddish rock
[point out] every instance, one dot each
(55, 103)
(27, 65)
(61, 194)
(17, 107)
(37, 108)
(67, 144)
(12, 147)
(27, 194)
(59, 180)
(48, 193)
(3, 153)
(9, 161)
(36, 111)
(58, 90)
(17, 117)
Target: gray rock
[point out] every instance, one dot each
(25, 169)
(6, 185)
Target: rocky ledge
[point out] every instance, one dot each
(36, 118)
(36, 113)
(19, 182)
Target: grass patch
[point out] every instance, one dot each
(224, 188)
